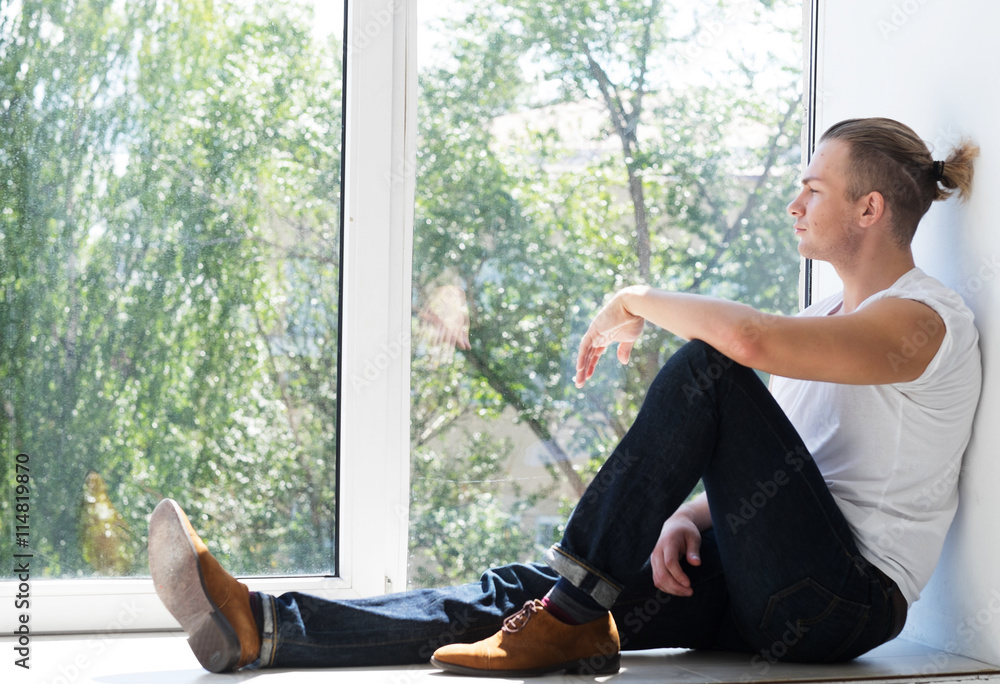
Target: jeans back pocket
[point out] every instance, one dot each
(808, 623)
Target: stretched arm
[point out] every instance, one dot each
(891, 340)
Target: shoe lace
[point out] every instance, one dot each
(518, 620)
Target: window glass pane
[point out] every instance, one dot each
(569, 149)
(169, 269)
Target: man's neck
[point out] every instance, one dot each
(866, 275)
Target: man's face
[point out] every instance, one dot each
(825, 219)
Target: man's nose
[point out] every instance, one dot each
(794, 208)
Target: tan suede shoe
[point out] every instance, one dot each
(211, 605)
(532, 642)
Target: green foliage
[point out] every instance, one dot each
(168, 272)
(536, 234)
(169, 232)
(459, 522)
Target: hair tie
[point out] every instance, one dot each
(938, 171)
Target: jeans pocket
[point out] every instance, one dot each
(809, 623)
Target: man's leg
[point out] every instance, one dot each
(612, 531)
(647, 617)
(406, 628)
(797, 587)
(801, 589)
(706, 416)
(395, 629)
(297, 630)
(684, 421)
(209, 603)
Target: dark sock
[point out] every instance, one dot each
(557, 612)
(257, 609)
(569, 604)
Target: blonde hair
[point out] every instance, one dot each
(890, 158)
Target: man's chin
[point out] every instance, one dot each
(807, 250)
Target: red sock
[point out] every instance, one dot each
(557, 612)
(257, 610)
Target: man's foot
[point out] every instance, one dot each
(211, 605)
(533, 642)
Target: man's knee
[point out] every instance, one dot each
(703, 367)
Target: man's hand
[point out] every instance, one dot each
(444, 323)
(615, 323)
(679, 538)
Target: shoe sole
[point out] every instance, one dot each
(173, 562)
(595, 665)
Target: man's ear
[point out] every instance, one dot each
(872, 208)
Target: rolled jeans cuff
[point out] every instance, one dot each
(585, 578)
(268, 637)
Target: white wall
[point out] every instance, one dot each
(933, 64)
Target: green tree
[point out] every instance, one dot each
(169, 275)
(536, 239)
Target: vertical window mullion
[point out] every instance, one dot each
(378, 188)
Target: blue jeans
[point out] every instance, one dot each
(781, 576)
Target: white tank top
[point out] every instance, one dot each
(891, 454)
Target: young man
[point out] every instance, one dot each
(823, 513)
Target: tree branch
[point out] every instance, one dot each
(644, 48)
(625, 124)
(559, 457)
(751, 201)
(612, 100)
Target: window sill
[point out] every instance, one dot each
(164, 657)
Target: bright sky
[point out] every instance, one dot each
(329, 17)
(733, 31)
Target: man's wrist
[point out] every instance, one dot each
(686, 511)
(632, 296)
(697, 512)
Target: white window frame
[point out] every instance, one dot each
(373, 471)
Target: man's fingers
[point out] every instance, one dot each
(693, 547)
(661, 577)
(678, 575)
(586, 348)
(624, 351)
(671, 585)
(667, 573)
(586, 362)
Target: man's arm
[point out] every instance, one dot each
(891, 340)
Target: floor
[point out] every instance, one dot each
(164, 658)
